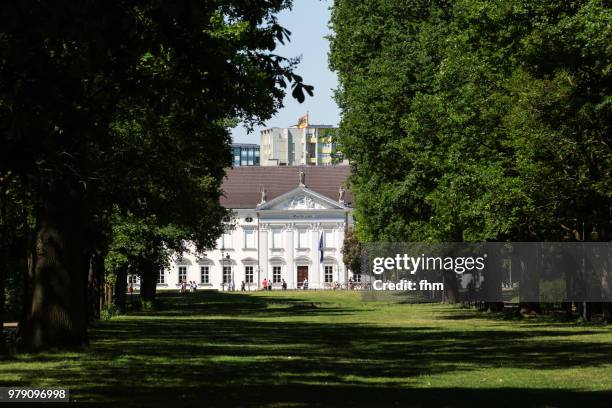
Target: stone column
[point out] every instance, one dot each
(342, 275)
(290, 256)
(314, 277)
(263, 254)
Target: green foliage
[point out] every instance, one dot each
(477, 119)
(147, 305)
(16, 222)
(109, 312)
(553, 289)
(351, 251)
(133, 102)
(137, 240)
(114, 119)
(134, 109)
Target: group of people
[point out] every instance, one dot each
(266, 284)
(231, 286)
(190, 286)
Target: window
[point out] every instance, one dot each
(248, 274)
(329, 274)
(236, 156)
(303, 239)
(276, 274)
(277, 239)
(357, 277)
(248, 219)
(161, 278)
(328, 239)
(133, 279)
(249, 239)
(182, 274)
(227, 274)
(226, 240)
(204, 274)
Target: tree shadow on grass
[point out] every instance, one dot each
(218, 354)
(559, 320)
(235, 304)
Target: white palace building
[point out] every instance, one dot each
(289, 225)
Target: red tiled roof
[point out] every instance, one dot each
(242, 185)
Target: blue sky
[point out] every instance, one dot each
(308, 23)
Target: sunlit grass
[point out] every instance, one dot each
(307, 347)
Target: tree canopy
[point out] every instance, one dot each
(476, 119)
(119, 113)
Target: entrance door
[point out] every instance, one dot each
(302, 275)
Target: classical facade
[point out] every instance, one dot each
(289, 225)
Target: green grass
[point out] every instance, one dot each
(326, 348)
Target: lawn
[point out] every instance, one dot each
(327, 348)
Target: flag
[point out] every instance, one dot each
(321, 248)
(303, 122)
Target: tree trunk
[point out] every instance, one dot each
(2, 278)
(95, 280)
(27, 277)
(529, 281)
(606, 291)
(120, 290)
(527, 308)
(494, 307)
(108, 295)
(148, 282)
(451, 287)
(567, 307)
(585, 310)
(58, 314)
(4, 242)
(492, 285)
(606, 309)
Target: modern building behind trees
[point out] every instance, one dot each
(302, 144)
(245, 154)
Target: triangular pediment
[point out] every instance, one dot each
(301, 199)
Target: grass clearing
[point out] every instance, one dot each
(301, 348)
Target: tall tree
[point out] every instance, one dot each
(74, 76)
(477, 119)
(351, 251)
(142, 247)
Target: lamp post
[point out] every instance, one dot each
(222, 268)
(223, 259)
(231, 282)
